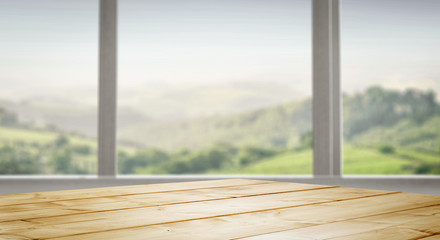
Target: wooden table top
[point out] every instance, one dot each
(220, 209)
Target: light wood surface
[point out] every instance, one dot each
(220, 209)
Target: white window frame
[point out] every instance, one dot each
(327, 121)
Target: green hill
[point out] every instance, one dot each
(279, 126)
(409, 118)
(32, 151)
(385, 132)
(424, 137)
(66, 115)
(357, 161)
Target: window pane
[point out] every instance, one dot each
(48, 93)
(391, 84)
(214, 87)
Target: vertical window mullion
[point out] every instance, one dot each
(326, 89)
(107, 88)
(336, 80)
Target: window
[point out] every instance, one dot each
(48, 93)
(48, 76)
(391, 85)
(214, 87)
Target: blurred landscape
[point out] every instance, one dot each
(385, 132)
(218, 87)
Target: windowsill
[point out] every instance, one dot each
(405, 183)
(214, 176)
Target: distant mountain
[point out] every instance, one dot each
(182, 102)
(67, 116)
(376, 110)
(375, 116)
(273, 126)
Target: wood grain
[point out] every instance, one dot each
(108, 203)
(13, 199)
(432, 237)
(221, 209)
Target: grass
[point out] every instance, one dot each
(40, 138)
(424, 137)
(371, 161)
(413, 155)
(10, 135)
(357, 161)
(27, 136)
(286, 163)
(37, 136)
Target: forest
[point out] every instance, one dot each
(385, 132)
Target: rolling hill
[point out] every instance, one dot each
(279, 126)
(385, 132)
(67, 116)
(376, 116)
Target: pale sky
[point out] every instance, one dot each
(393, 43)
(206, 41)
(47, 46)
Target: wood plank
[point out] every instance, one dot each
(13, 237)
(430, 225)
(67, 207)
(401, 217)
(250, 203)
(255, 223)
(349, 209)
(247, 209)
(391, 233)
(229, 229)
(14, 226)
(323, 231)
(433, 210)
(206, 229)
(104, 221)
(13, 199)
(433, 237)
(360, 229)
(403, 224)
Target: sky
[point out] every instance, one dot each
(392, 43)
(50, 47)
(206, 41)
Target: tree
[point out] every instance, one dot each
(381, 107)
(249, 155)
(306, 140)
(18, 161)
(141, 159)
(61, 141)
(61, 161)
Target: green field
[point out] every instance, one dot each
(14, 135)
(26, 151)
(385, 132)
(10, 135)
(356, 160)
(41, 145)
(284, 163)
